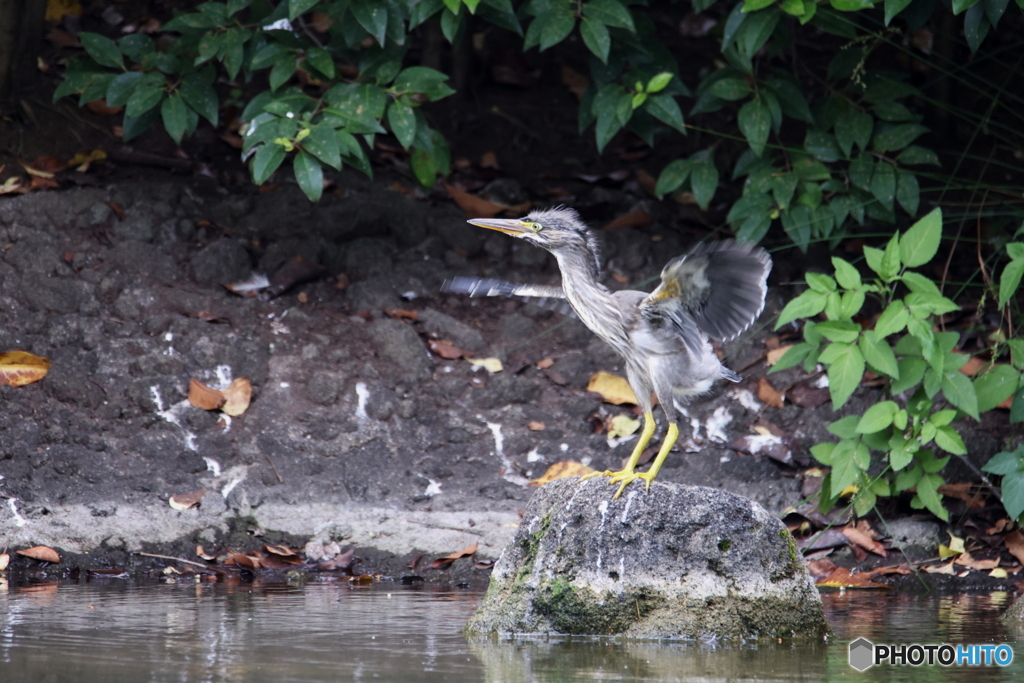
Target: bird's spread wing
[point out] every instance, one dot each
(717, 290)
(552, 298)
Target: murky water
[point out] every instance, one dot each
(112, 630)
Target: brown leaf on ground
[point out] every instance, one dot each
(483, 564)
(489, 160)
(237, 397)
(14, 185)
(819, 569)
(342, 561)
(611, 388)
(45, 166)
(1000, 526)
(247, 561)
(294, 271)
(475, 207)
(879, 571)
(973, 366)
(118, 211)
(808, 396)
(40, 183)
(101, 107)
(5, 559)
(647, 182)
(562, 470)
(1014, 542)
(59, 38)
(940, 569)
(576, 82)
(536, 426)
(184, 501)
(967, 492)
(18, 368)
(445, 562)
(545, 363)
(966, 560)
(401, 313)
(775, 354)
(82, 161)
(841, 577)
(445, 349)
(201, 553)
(41, 553)
(361, 580)
(632, 219)
(769, 394)
(281, 550)
(414, 562)
(202, 396)
(863, 540)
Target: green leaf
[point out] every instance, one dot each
(673, 176)
(556, 25)
(894, 7)
(914, 156)
(121, 87)
(142, 100)
(822, 452)
(928, 493)
(322, 142)
(610, 13)
(133, 126)
(1005, 463)
(297, 8)
(755, 119)
(851, 5)
(845, 428)
(704, 181)
(846, 274)
(1013, 495)
(372, 15)
(755, 31)
(900, 458)
(321, 61)
(844, 374)
(659, 82)
(175, 116)
(861, 169)
(976, 26)
(754, 5)
(959, 391)
(1009, 281)
(995, 386)
(897, 137)
(878, 354)
(919, 244)
(948, 440)
(890, 266)
(402, 120)
(595, 37)
(877, 417)
(201, 96)
(883, 185)
(730, 89)
(283, 70)
(423, 167)
(806, 305)
(908, 192)
(839, 330)
(792, 357)
(265, 161)
(908, 478)
(845, 468)
(102, 49)
(309, 174)
(664, 108)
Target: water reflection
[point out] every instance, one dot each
(116, 630)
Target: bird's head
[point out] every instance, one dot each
(557, 230)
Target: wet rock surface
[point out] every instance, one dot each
(672, 562)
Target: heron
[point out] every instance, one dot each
(716, 291)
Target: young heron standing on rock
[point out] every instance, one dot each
(717, 291)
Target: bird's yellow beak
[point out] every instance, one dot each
(509, 226)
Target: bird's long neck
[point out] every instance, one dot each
(590, 299)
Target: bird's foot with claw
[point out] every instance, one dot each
(623, 477)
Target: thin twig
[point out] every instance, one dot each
(449, 528)
(280, 479)
(176, 559)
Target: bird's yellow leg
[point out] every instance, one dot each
(634, 458)
(626, 478)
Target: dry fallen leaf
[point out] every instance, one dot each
(562, 470)
(536, 426)
(575, 81)
(247, 561)
(200, 552)
(5, 559)
(967, 492)
(83, 160)
(841, 577)
(941, 569)
(973, 366)
(491, 365)
(545, 363)
(19, 368)
(401, 313)
(475, 207)
(864, 540)
(769, 394)
(633, 219)
(202, 396)
(444, 562)
(237, 397)
(775, 354)
(966, 560)
(611, 388)
(1014, 542)
(41, 553)
(622, 425)
(445, 349)
(250, 287)
(489, 160)
(1000, 526)
(998, 573)
(184, 501)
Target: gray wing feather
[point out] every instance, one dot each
(717, 289)
(552, 298)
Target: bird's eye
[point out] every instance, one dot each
(536, 227)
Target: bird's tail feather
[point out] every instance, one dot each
(552, 298)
